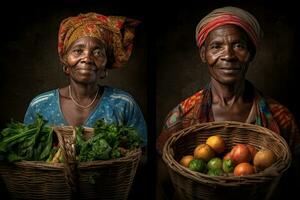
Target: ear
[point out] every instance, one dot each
(64, 66)
(202, 53)
(104, 63)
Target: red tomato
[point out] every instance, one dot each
(243, 169)
(252, 150)
(227, 156)
(240, 153)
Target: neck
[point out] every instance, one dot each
(227, 94)
(83, 91)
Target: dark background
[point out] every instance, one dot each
(164, 68)
(180, 72)
(30, 64)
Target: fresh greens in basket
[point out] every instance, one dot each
(19, 141)
(109, 141)
(36, 142)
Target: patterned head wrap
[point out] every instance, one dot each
(228, 15)
(115, 32)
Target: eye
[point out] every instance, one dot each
(240, 46)
(99, 52)
(215, 46)
(77, 51)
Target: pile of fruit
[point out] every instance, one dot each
(243, 159)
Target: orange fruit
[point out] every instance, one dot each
(264, 159)
(204, 151)
(243, 169)
(217, 143)
(185, 160)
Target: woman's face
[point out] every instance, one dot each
(86, 59)
(227, 54)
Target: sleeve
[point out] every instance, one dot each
(134, 118)
(287, 124)
(29, 115)
(290, 132)
(173, 123)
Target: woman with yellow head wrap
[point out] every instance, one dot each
(88, 45)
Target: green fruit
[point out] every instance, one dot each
(228, 166)
(197, 165)
(214, 163)
(215, 172)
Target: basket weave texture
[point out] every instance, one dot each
(105, 179)
(194, 185)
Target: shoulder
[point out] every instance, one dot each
(43, 98)
(116, 94)
(277, 109)
(183, 108)
(189, 103)
(280, 113)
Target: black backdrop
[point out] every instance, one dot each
(164, 67)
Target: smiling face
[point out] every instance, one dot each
(227, 52)
(85, 60)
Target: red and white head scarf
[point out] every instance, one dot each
(228, 15)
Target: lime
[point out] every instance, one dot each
(228, 166)
(197, 165)
(215, 172)
(214, 163)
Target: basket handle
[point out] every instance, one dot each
(67, 137)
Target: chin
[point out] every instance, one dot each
(231, 81)
(86, 81)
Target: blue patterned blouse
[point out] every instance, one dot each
(114, 106)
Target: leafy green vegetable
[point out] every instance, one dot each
(20, 141)
(35, 141)
(109, 141)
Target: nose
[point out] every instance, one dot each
(87, 57)
(228, 54)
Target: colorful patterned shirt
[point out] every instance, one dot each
(114, 106)
(197, 109)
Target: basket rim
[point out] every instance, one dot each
(53, 166)
(134, 153)
(267, 174)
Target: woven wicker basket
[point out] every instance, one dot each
(194, 185)
(109, 179)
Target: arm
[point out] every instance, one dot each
(134, 118)
(290, 132)
(29, 116)
(173, 123)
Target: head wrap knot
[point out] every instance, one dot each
(228, 15)
(116, 32)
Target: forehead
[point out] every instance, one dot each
(225, 31)
(88, 41)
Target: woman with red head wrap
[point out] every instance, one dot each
(227, 39)
(88, 45)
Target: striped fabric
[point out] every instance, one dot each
(197, 109)
(228, 15)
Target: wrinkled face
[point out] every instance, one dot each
(226, 51)
(85, 60)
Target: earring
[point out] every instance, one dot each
(104, 74)
(64, 68)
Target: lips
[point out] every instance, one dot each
(230, 70)
(86, 68)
